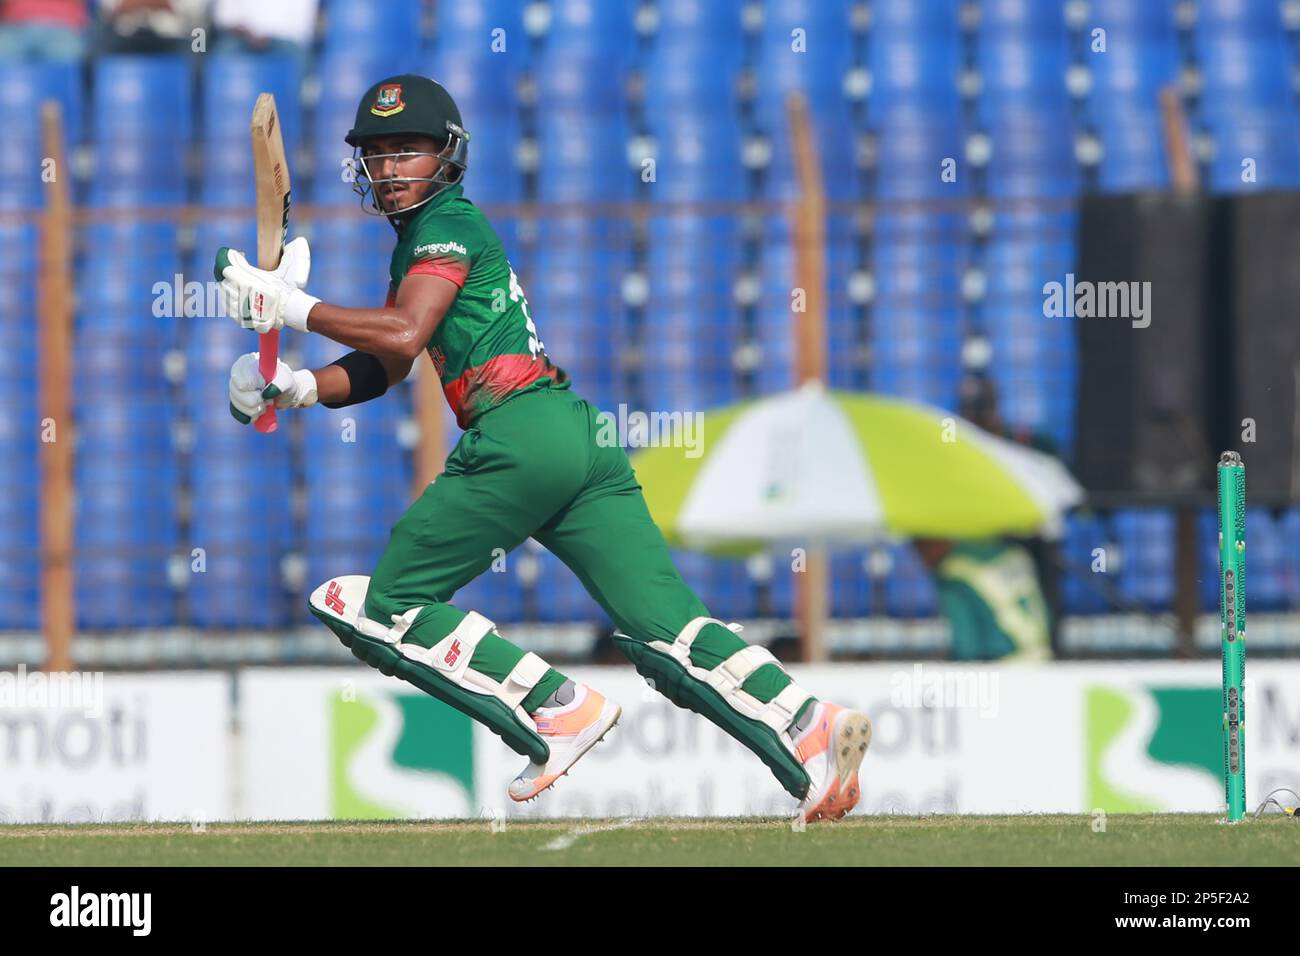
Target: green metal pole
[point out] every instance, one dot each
(1232, 603)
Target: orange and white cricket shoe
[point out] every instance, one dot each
(831, 749)
(570, 731)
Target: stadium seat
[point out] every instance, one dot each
(589, 30)
(914, 58)
(909, 586)
(805, 45)
(141, 126)
(1253, 150)
(349, 26)
(699, 79)
(1268, 579)
(850, 585)
(697, 24)
(698, 159)
(231, 84)
(1080, 593)
(1146, 541)
(1240, 64)
(584, 160)
(23, 87)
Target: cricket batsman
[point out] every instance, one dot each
(527, 465)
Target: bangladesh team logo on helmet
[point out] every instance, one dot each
(388, 100)
(414, 105)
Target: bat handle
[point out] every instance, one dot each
(268, 352)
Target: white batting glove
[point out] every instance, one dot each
(250, 393)
(265, 301)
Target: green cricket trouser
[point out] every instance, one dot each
(532, 467)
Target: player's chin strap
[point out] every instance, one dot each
(442, 670)
(718, 695)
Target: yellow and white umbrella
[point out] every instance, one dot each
(827, 468)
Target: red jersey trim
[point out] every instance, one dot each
(451, 271)
(500, 376)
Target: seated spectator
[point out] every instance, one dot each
(52, 30)
(993, 592)
(148, 26)
(285, 27)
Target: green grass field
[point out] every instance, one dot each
(1128, 840)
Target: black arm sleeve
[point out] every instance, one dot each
(366, 375)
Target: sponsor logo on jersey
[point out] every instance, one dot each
(438, 249)
(388, 100)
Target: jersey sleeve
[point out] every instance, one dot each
(442, 249)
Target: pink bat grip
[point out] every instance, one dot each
(268, 352)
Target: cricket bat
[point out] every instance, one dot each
(271, 172)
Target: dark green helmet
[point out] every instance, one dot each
(415, 105)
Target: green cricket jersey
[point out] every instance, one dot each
(486, 349)
(989, 592)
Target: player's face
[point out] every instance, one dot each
(403, 160)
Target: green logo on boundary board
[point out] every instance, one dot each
(1141, 744)
(399, 755)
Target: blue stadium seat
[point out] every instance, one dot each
(1141, 58)
(132, 267)
(1207, 560)
(1268, 578)
(831, 119)
(909, 587)
(570, 85)
(560, 596)
(1289, 529)
(691, 79)
(116, 593)
(850, 585)
(23, 87)
(142, 122)
(1146, 542)
(584, 160)
(241, 587)
(693, 324)
(143, 98)
(1032, 156)
(912, 150)
(231, 84)
(481, 88)
(389, 29)
(1084, 533)
(20, 423)
(468, 29)
(1253, 150)
(698, 159)
(781, 589)
(124, 533)
(806, 45)
(350, 259)
(1134, 155)
(697, 24)
(1243, 54)
(914, 58)
(590, 29)
(493, 174)
(136, 173)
